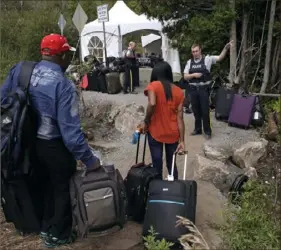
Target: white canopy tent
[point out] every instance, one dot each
(151, 44)
(122, 21)
(146, 40)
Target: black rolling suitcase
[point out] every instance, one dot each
(93, 81)
(22, 204)
(224, 100)
(136, 183)
(168, 199)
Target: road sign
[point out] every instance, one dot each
(61, 23)
(79, 18)
(102, 12)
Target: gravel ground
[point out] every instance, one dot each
(116, 148)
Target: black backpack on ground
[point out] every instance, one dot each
(20, 191)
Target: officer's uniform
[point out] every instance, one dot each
(199, 91)
(131, 71)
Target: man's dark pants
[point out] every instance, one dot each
(131, 77)
(200, 107)
(156, 150)
(57, 167)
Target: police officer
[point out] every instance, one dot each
(131, 69)
(197, 72)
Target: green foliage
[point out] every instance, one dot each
(254, 224)
(27, 24)
(273, 106)
(152, 244)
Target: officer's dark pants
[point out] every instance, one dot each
(57, 166)
(200, 107)
(131, 77)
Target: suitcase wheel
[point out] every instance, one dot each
(230, 124)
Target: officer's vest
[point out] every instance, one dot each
(199, 67)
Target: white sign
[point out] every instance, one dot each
(61, 23)
(102, 11)
(79, 18)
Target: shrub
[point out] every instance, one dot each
(253, 224)
(151, 243)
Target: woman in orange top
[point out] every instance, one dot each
(164, 117)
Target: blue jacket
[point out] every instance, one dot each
(54, 98)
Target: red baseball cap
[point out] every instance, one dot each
(54, 44)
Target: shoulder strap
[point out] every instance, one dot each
(190, 62)
(203, 59)
(25, 74)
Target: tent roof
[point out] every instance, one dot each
(145, 40)
(120, 13)
(129, 21)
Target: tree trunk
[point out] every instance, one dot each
(261, 45)
(268, 47)
(241, 78)
(233, 49)
(275, 63)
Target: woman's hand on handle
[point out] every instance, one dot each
(180, 147)
(142, 128)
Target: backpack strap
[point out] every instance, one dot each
(25, 75)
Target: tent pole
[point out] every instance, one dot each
(104, 44)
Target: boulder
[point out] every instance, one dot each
(127, 117)
(214, 152)
(249, 154)
(219, 173)
(113, 83)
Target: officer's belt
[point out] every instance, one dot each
(200, 83)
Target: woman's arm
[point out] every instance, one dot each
(150, 106)
(181, 122)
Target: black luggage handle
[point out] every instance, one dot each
(138, 147)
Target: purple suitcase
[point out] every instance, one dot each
(241, 111)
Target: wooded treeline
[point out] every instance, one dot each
(253, 25)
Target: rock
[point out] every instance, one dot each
(251, 173)
(249, 154)
(218, 173)
(113, 83)
(128, 117)
(89, 134)
(214, 152)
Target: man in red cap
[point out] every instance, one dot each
(60, 141)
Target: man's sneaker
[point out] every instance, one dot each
(134, 92)
(53, 242)
(44, 235)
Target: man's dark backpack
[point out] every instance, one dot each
(20, 195)
(18, 128)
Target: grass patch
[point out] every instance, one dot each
(255, 222)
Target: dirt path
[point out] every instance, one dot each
(210, 202)
(121, 152)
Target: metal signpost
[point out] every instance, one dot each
(79, 19)
(61, 23)
(103, 17)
